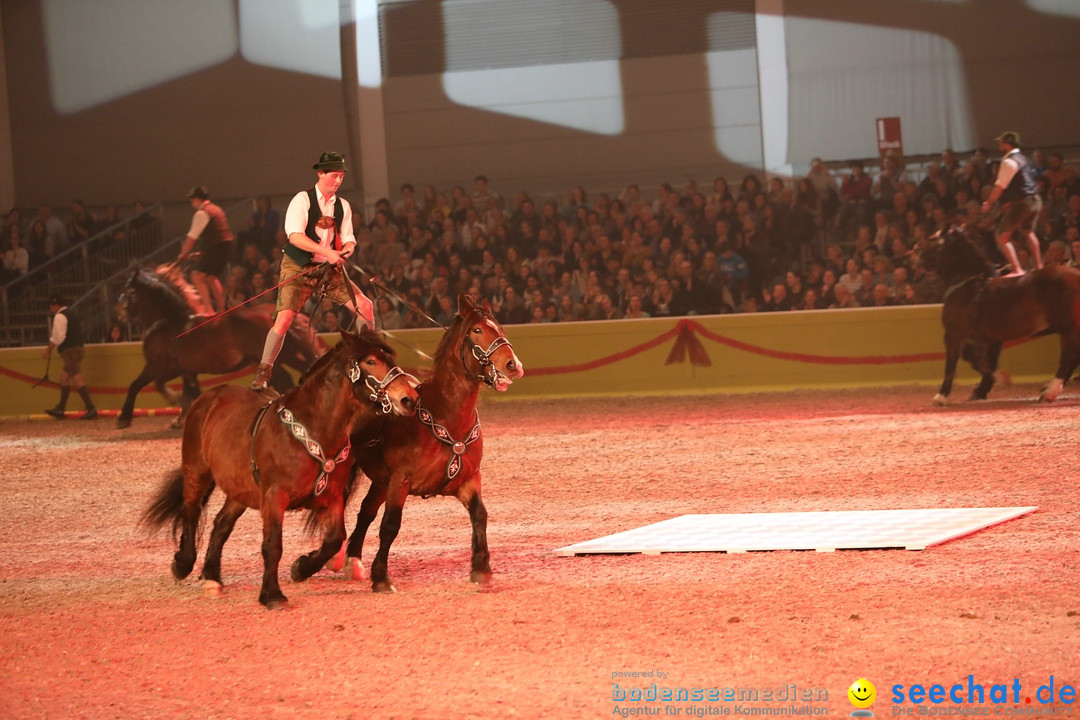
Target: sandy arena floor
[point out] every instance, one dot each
(93, 626)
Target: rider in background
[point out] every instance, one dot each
(209, 224)
(1016, 189)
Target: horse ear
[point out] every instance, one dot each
(486, 306)
(465, 303)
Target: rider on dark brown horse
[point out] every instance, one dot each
(1015, 188)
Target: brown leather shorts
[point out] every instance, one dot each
(297, 288)
(1020, 215)
(73, 358)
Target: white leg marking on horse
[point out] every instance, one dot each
(1052, 390)
(941, 400)
(338, 561)
(353, 569)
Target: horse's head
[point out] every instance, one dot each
(146, 297)
(126, 301)
(490, 357)
(385, 385)
(957, 256)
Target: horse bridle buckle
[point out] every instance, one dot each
(379, 395)
(484, 358)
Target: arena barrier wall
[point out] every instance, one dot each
(714, 354)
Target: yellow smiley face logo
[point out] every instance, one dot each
(862, 693)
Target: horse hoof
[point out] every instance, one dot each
(212, 588)
(480, 578)
(336, 563)
(294, 571)
(1052, 390)
(179, 572)
(353, 569)
(941, 400)
(122, 422)
(383, 587)
(176, 425)
(278, 604)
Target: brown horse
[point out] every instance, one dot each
(228, 343)
(281, 453)
(982, 312)
(438, 450)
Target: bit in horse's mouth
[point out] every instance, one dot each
(502, 382)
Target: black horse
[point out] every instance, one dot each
(981, 312)
(228, 343)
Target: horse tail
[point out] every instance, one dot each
(167, 505)
(314, 520)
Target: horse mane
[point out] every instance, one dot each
(445, 345)
(369, 339)
(161, 293)
(187, 292)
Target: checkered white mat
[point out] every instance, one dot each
(820, 531)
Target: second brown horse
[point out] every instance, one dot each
(438, 450)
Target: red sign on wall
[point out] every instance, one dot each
(888, 136)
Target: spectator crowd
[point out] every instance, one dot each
(830, 239)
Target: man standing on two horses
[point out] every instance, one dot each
(67, 338)
(208, 223)
(1016, 189)
(320, 229)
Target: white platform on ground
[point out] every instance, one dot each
(820, 531)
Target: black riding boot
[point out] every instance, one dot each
(91, 411)
(58, 411)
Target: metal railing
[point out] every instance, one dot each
(96, 306)
(24, 302)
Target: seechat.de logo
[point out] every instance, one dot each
(862, 695)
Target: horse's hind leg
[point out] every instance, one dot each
(1070, 358)
(273, 513)
(985, 361)
(307, 565)
(469, 495)
(144, 378)
(369, 508)
(188, 394)
(223, 526)
(197, 489)
(953, 345)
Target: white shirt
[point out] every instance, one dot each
(296, 219)
(59, 327)
(1007, 169)
(199, 221)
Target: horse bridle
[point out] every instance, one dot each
(380, 396)
(488, 372)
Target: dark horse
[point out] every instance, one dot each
(981, 312)
(278, 454)
(438, 450)
(229, 342)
